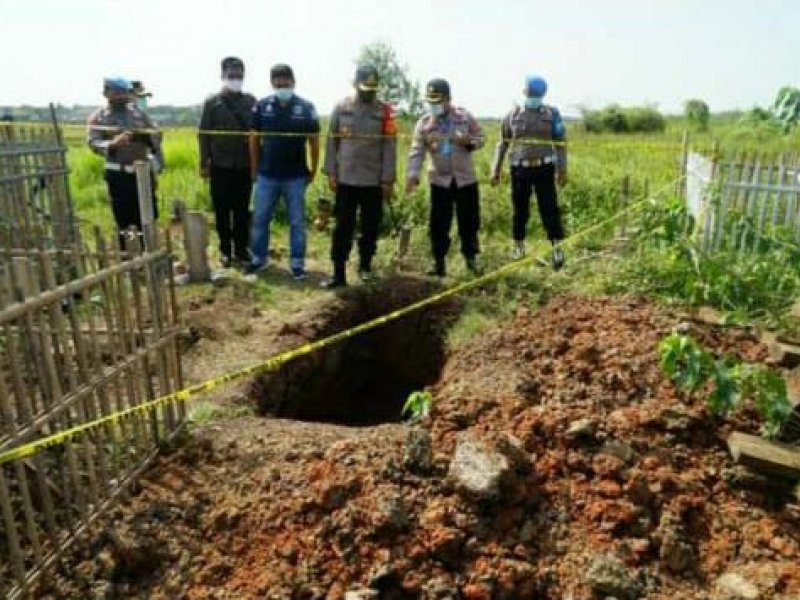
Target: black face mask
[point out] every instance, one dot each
(366, 96)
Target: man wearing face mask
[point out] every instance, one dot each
(361, 164)
(225, 162)
(450, 135)
(122, 134)
(279, 163)
(140, 96)
(536, 135)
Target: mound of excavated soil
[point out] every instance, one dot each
(558, 463)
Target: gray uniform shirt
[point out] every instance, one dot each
(226, 112)
(104, 124)
(529, 133)
(361, 148)
(450, 160)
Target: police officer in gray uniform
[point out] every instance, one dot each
(122, 134)
(361, 164)
(536, 135)
(450, 135)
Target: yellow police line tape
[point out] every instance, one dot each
(273, 362)
(367, 136)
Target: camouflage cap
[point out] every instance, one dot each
(367, 78)
(137, 87)
(437, 91)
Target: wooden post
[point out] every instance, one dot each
(144, 185)
(624, 201)
(680, 186)
(195, 238)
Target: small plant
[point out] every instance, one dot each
(691, 367)
(418, 405)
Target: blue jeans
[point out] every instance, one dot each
(268, 192)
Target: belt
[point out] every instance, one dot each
(534, 162)
(119, 167)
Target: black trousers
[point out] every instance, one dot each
(465, 202)
(230, 195)
(542, 180)
(349, 200)
(125, 201)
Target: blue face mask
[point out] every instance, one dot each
(141, 103)
(284, 94)
(533, 102)
(436, 110)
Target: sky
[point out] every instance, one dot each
(731, 53)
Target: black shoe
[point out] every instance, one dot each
(333, 283)
(472, 265)
(339, 279)
(558, 258)
(366, 275)
(438, 269)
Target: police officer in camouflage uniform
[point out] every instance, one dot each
(361, 164)
(119, 133)
(450, 135)
(536, 135)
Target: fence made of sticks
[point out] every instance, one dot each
(87, 329)
(743, 200)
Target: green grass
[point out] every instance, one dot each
(598, 162)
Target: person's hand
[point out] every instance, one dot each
(495, 180)
(388, 191)
(462, 139)
(561, 178)
(121, 139)
(332, 182)
(411, 185)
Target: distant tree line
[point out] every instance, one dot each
(164, 115)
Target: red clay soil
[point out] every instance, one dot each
(616, 486)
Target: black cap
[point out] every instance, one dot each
(281, 70)
(137, 87)
(232, 62)
(367, 78)
(437, 91)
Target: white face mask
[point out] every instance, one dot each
(233, 85)
(437, 110)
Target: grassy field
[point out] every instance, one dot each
(598, 163)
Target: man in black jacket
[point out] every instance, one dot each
(224, 160)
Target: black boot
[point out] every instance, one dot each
(439, 269)
(472, 265)
(558, 257)
(365, 270)
(339, 278)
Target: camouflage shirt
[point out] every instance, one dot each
(106, 123)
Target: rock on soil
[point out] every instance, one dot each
(596, 478)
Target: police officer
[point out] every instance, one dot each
(122, 134)
(361, 163)
(225, 161)
(450, 135)
(536, 136)
(140, 94)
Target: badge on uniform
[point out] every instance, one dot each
(345, 130)
(298, 110)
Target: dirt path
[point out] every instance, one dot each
(558, 463)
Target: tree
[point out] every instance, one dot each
(787, 107)
(395, 86)
(697, 113)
